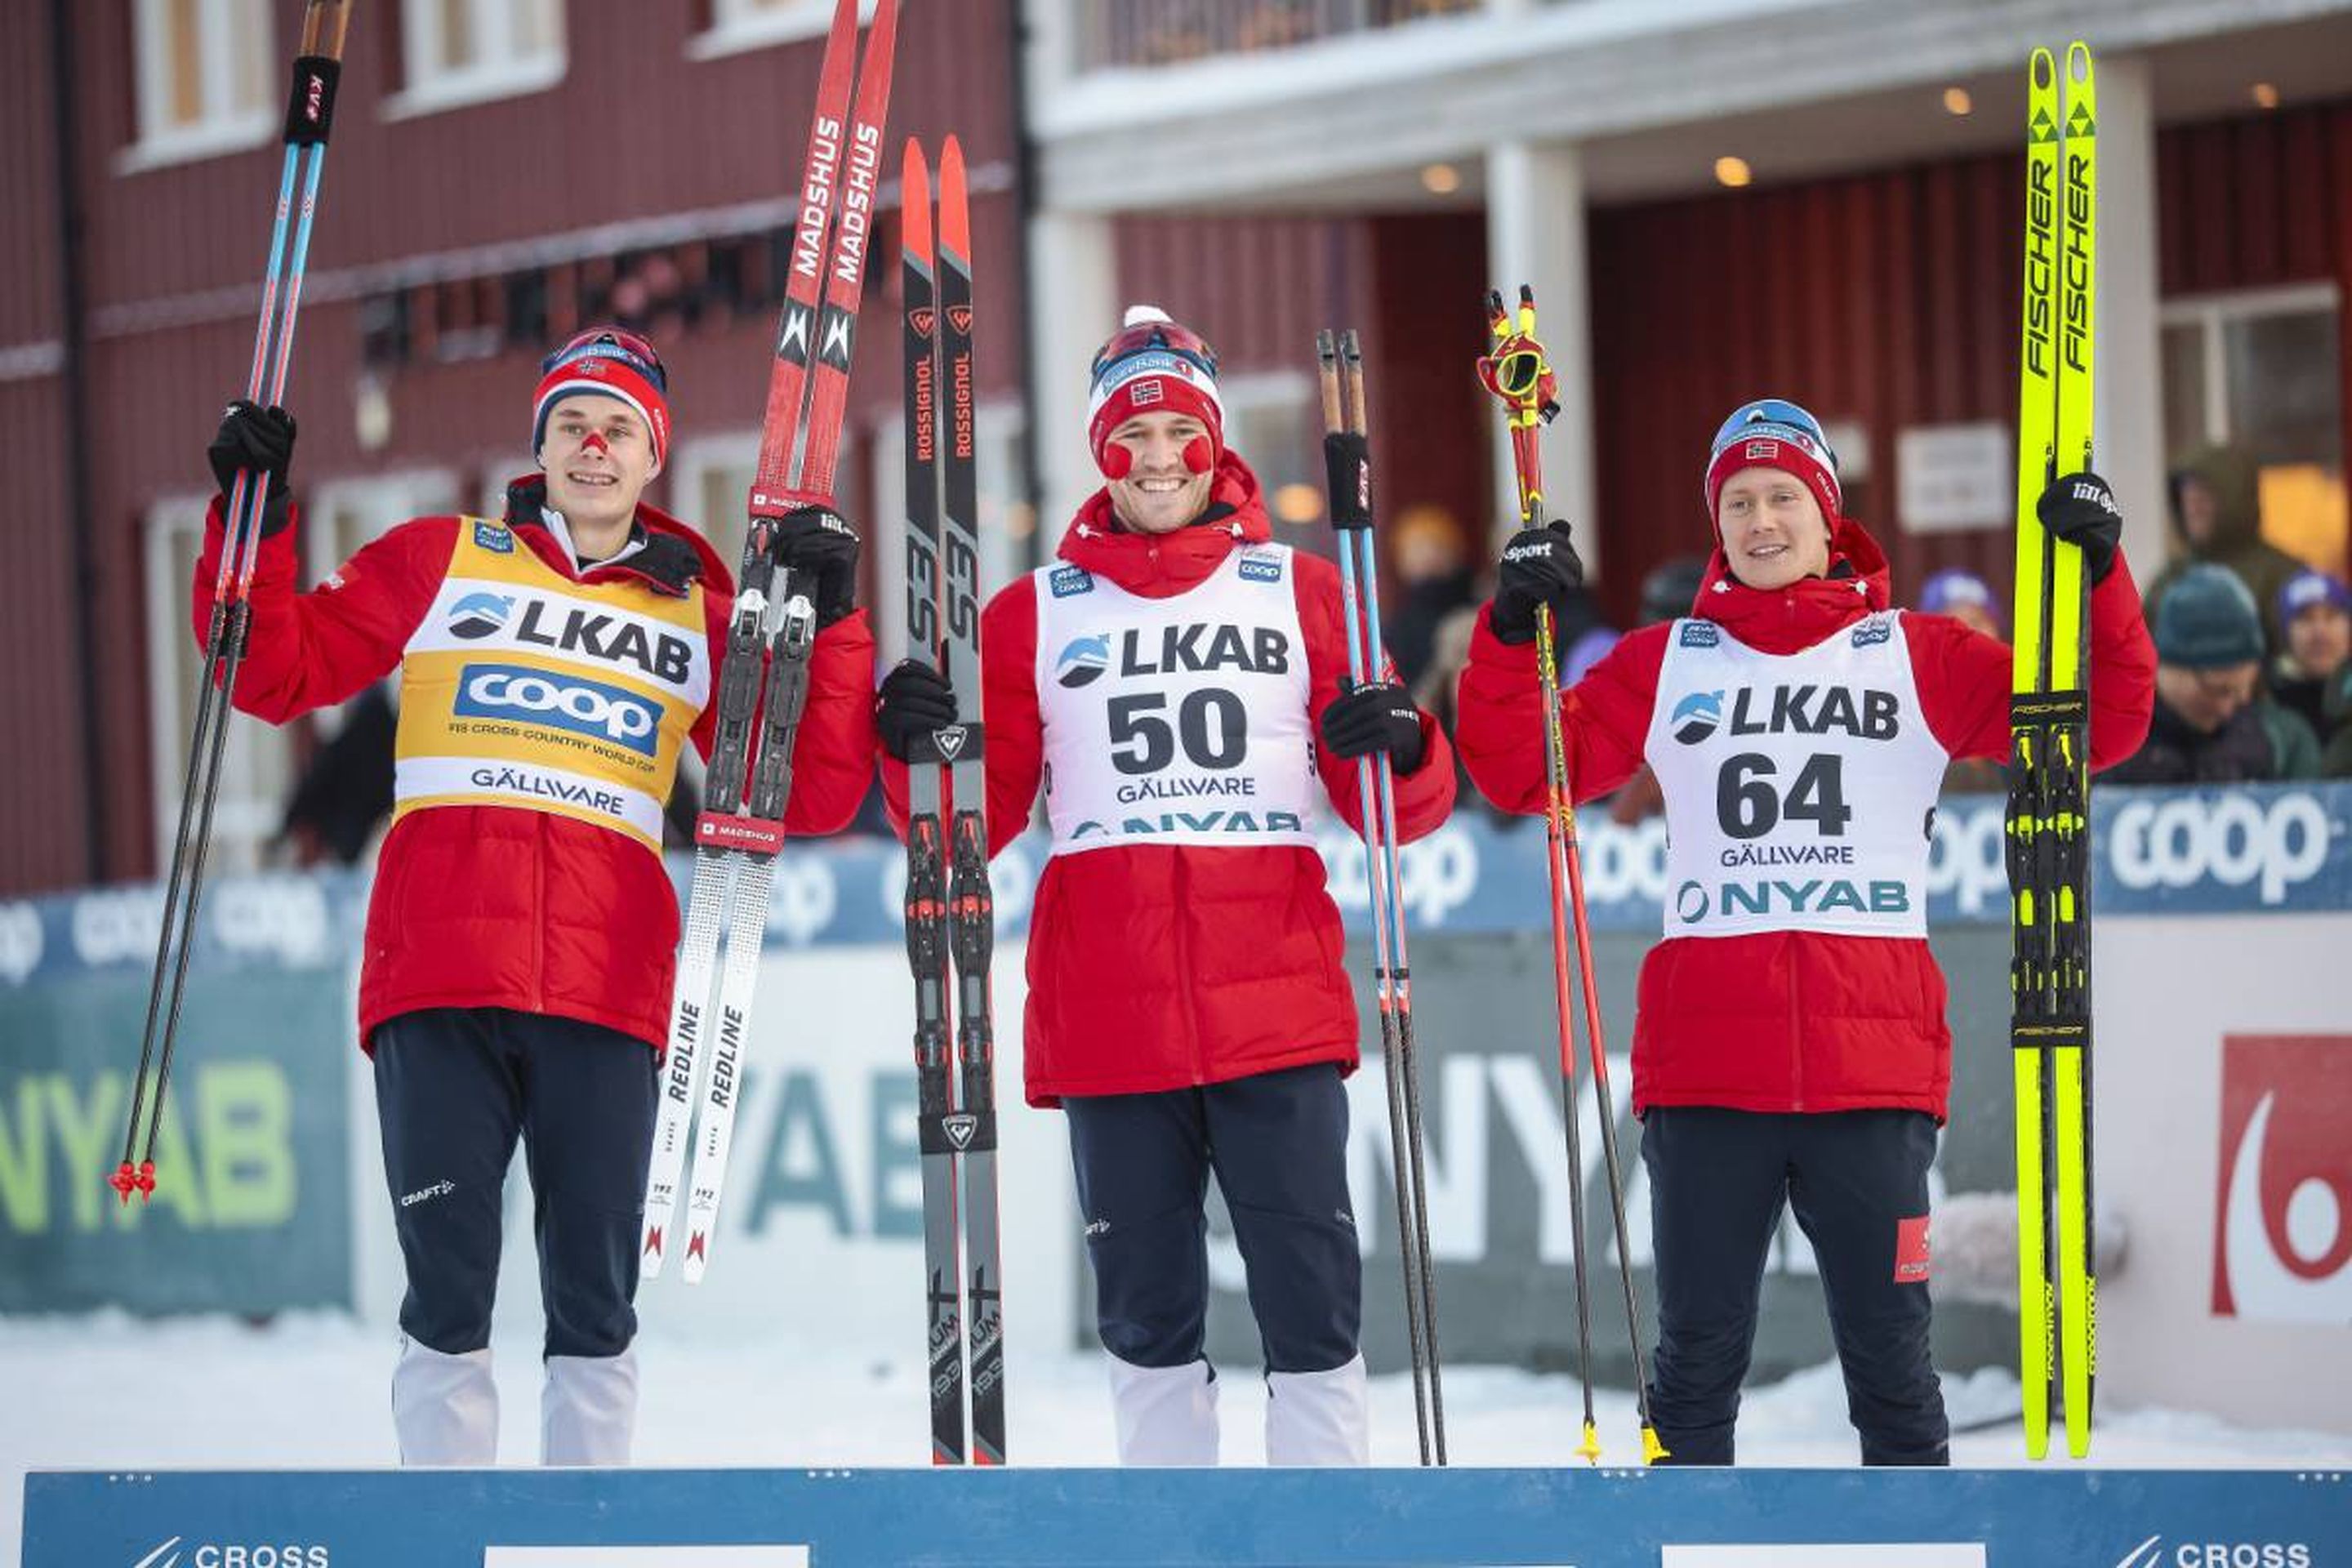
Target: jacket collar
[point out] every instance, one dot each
(1788, 619)
(671, 560)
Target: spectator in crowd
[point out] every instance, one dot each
(2214, 723)
(1435, 577)
(1968, 599)
(2216, 514)
(1963, 596)
(2311, 674)
(1668, 593)
(345, 794)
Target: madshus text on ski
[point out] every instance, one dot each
(1187, 700)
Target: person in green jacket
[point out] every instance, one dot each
(2214, 723)
(2217, 516)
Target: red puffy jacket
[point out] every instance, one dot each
(494, 906)
(1790, 1020)
(1163, 966)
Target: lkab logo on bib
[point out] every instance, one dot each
(1083, 662)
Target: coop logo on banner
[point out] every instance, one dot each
(2282, 1238)
(2241, 849)
(1440, 873)
(21, 941)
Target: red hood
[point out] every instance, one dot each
(1158, 567)
(1804, 612)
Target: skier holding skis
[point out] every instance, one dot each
(1174, 681)
(1790, 1045)
(522, 930)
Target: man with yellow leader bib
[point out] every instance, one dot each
(522, 934)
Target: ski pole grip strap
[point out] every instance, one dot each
(1348, 471)
(311, 103)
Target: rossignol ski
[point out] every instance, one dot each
(309, 116)
(1348, 467)
(2049, 810)
(1516, 371)
(949, 911)
(749, 781)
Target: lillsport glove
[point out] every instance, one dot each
(1539, 566)
(2081, 510)
(820, 549)
(261, 439)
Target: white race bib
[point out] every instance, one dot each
(1177, 720)
(1798, 786)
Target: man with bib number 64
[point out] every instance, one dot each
(1173, 682)
(1790, 1045)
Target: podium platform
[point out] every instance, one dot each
(2054, 1516)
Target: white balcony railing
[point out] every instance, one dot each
(1116, 35)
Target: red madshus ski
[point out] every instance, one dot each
(741, 827)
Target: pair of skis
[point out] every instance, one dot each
(1348, 473)
(309, 116)
(763, 674)
(1516, 371)
(949, 911)
(2049, 826)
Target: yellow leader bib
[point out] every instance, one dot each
(524, 689)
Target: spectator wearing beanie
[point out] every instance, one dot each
(1968, 599)
(2312, 673)
(2214, 723)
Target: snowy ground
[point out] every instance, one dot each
(310, 1393)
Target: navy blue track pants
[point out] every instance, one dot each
(1277, 1144)
(455, 1089)
(1857, 1181)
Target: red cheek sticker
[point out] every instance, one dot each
(1911, 1250)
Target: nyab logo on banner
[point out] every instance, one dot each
(2282, 1236)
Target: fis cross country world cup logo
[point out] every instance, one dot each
(2282, 1236)
(1067, 581)
(479, 615)
(1696, 716)
(1700, 634)
(494, 537)
(1874, 630)
(1083, 662)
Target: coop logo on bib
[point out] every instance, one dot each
(579, 707)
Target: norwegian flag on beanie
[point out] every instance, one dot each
(1153, 366)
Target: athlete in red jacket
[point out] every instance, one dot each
(1188, 1006)
(1791, 1043)
(518, 960)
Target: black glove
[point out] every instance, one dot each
(821, 551)
(261, 439)
(1374, 719)
(2081, 510)
(914, 700)
(1539, 566)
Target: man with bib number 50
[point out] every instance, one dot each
(521, 933)
(1790, 1046)
(1173, 682)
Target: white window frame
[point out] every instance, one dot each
(2214, 314)
(259, 758)
(384, 502)
(222, 128)
(737, 26)
(433, 86)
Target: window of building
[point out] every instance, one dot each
(257, 762)
(466, 51)
(2260, 371)
(738, 25)
(204, 78)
